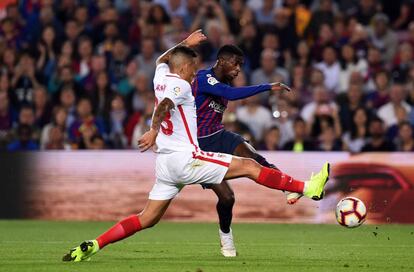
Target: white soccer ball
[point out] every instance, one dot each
(351, 212)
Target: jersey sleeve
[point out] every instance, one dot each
(177, 91)
(210, 85)
(161, 70)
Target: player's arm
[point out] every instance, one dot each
(148, 139)
(194, 39)
(214, 87)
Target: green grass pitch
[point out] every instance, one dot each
(194, 247)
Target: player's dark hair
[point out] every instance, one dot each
(184, 50)
(229, 50)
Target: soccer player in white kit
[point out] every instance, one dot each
(180, 161)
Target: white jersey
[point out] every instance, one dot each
(178, 131)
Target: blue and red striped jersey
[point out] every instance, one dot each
(212, 96)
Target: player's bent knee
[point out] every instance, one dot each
(251, 166)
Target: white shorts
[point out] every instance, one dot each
(177, 169)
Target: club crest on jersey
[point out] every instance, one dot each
(212, 80)
(177, 91)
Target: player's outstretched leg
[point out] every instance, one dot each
(275, 179)
(245, 150)
(225, 211)
(150, 216)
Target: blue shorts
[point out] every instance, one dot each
(222, 142)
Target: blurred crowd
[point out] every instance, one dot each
(77, 74)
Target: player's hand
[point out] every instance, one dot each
(279, 86)
(147, 140)
(195, 38)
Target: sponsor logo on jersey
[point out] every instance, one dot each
(217, 107)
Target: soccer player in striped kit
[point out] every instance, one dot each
(212, 90)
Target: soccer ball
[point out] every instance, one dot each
(351, 212)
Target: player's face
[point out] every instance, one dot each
(191, 70)
(232, 67)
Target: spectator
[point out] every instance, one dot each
(328, 140)
(98, 65)
(268, 69)
(25, 79)
(126, 85)
(118, 61)
(83, 62)
(405, 14)
(59, 118)
(117, 120)
(27, 117)
(350, 64)
(137, 98)
(405, 140)
(382, 37)
(284, 114)
(302, 56)
(42, 108)
(146, 59)
(348, 104)
(400, 72)
(67, 100)
(300, 141)
(377, 141)
(355, 139)
(330, 68)
(238, 15)
(102, 95)
(283, 28)
(158, 20)
(8, 61)
(388, 112)
(8, 118)
(271, 139)
(56, 140)
(264, 14)
(323, 15)
(72, 31)
(111, 33)
(86, 125)
(380, 96)
(10, 33)
(249, 43)
(144, 122)
(255, 116)
(173, 7)
(47, 48)
(24, 142)
(325, 39)
(321, 102)
(366, 10)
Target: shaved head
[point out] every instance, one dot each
(180, 56)
(182, 62)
